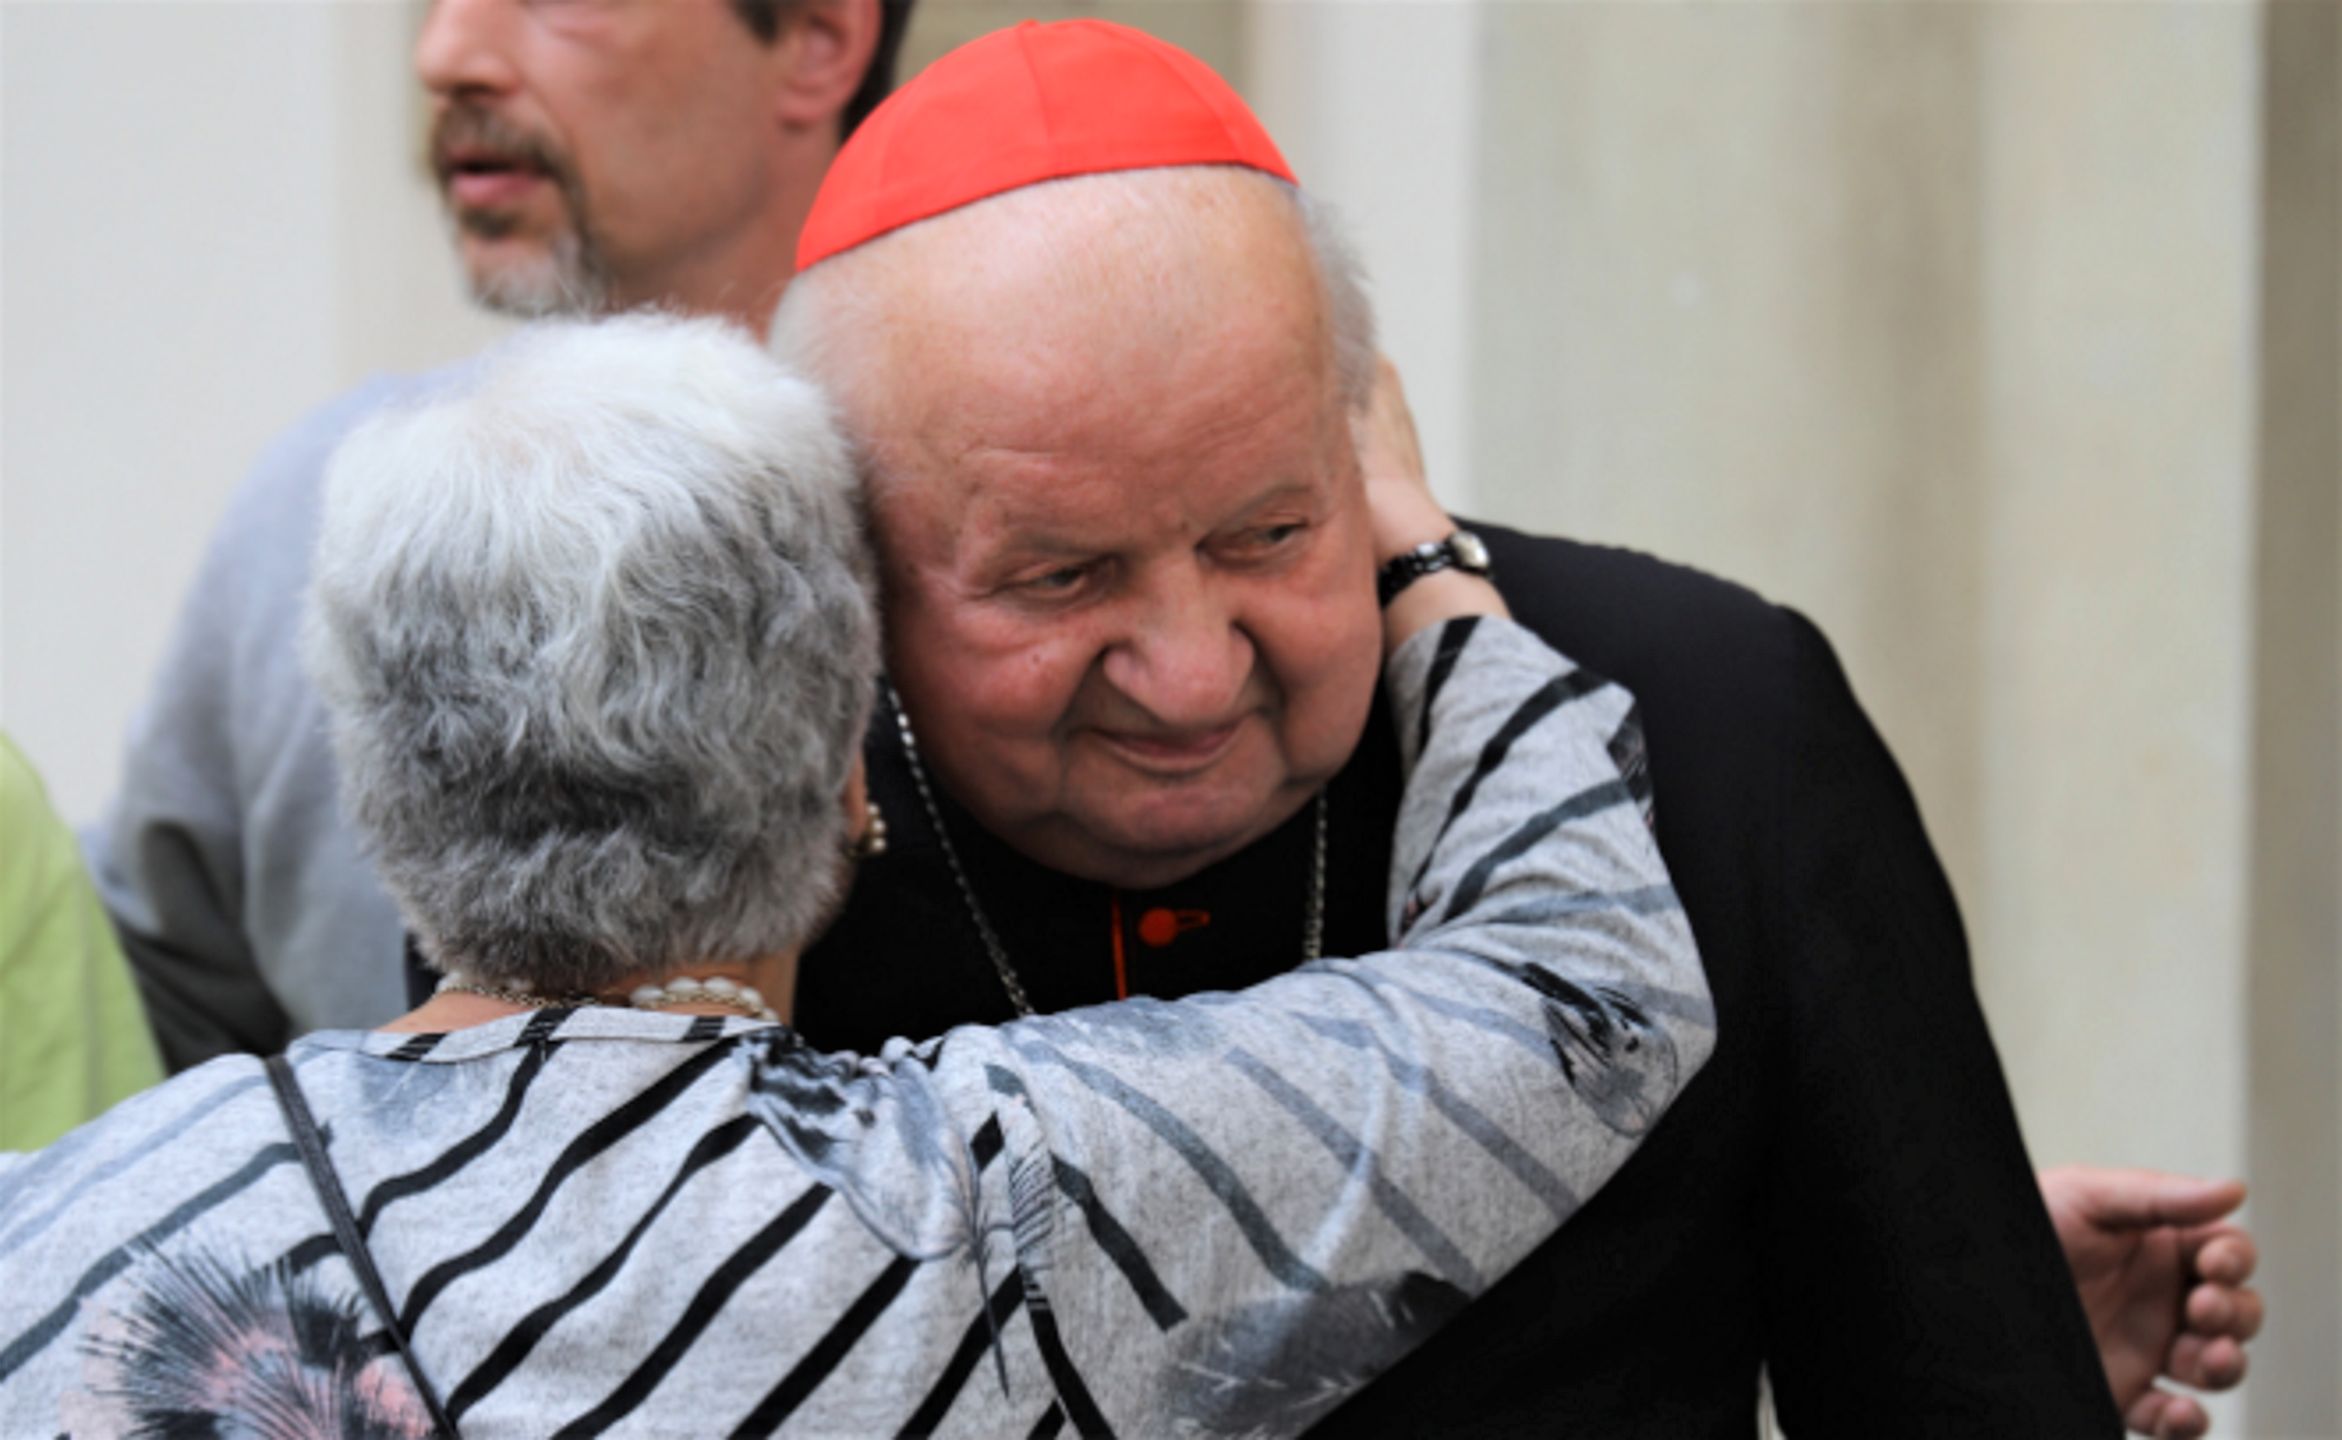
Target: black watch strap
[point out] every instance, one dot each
(1461, 550)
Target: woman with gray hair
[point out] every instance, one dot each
(596, 630)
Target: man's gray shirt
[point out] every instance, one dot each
(247, 912)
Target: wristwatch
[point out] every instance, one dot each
(1461, 550)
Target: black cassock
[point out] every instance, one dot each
(1842, 1196)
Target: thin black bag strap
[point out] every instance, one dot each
(337, 1209)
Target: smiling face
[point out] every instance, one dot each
(1129, 577)
(606, 153)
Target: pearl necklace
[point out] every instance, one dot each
(1313, 917)
(682, 990)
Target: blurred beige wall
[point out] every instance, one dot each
(212, 218)
(2001, 338)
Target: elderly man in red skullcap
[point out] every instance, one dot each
(1109, 370)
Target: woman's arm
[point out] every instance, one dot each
(1236, 1210)
(1230, 1212)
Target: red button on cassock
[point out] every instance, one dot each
(1159, 927)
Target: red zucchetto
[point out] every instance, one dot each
(1029, 103)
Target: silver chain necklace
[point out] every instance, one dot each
(1313, 923)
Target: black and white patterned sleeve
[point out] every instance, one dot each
(1230, 1212)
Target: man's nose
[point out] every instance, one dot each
(1184, 657)
(464, 47)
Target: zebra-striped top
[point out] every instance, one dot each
(1218, 1216)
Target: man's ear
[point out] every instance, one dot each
(823, 51)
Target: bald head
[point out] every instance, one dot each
(1128, 264)
(1129, 579)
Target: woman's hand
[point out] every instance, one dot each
(1398, 497)
(1403, 514)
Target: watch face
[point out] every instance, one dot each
(1470, 553)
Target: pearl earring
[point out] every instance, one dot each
(872, 842)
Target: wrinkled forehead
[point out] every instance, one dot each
(1142, 286)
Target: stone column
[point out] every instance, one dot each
(2295, 930)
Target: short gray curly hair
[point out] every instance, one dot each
(596, 628)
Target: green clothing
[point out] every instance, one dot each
(73, 1038)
